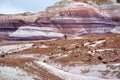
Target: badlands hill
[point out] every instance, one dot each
(87, 44)
(67, 17)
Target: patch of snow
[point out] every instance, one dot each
(117, 64)
(43, 57)
(97, 43)
(65, 75)
(94, 73)
(95, 70)
(87, 43)
(73, 45)
(9, 73)
(25, 56)
(62, 56)
(110, 49)
(35, 56)
(14, 48)
(58, 56)
(77, 69)
(100, 50)
(43, 46)
(91, 52)
(69, 52)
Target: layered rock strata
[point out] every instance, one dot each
(10, 22)
(34, 33)
(78, 16)
(69, 17)
(112, 10)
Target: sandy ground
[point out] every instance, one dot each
(91, 57)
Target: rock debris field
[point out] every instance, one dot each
(90, 57)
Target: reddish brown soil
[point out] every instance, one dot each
(78, 51)
(74, 48)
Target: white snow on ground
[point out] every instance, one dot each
(25, 56)
(29, 31)
(87, 43)
(43, 46)
(35, 56)
(61, 56)
(93, 52)
(109, 49)
(9, 73)
(65, 75)
(73, 45)
(95, 70)
(100, 50)
(97, 43)
(14, 48)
